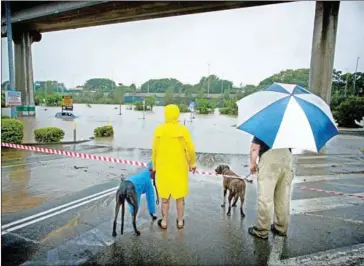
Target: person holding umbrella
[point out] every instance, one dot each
(275, 176)
(281, 117)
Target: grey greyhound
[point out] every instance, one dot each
(130, 190)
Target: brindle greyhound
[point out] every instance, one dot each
(236, 187)
(126, 192)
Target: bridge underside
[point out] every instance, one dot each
(55, 16)
(30, 19)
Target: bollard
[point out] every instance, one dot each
(74, 132)
(143, 109)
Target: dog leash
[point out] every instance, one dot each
(198, 172)
(156, 191)
(229, 176)
(245, 178)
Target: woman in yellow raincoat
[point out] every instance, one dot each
(173, 154)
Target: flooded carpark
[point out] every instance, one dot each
(58, 210)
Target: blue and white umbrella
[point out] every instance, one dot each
(287, 116)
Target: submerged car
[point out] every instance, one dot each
(65, 115)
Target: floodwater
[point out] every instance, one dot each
(131, 131)
(212, 133)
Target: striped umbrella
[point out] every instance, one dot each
(287, 116)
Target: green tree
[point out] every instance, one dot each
(5, 85)
(103, 84)
(150, 101)
(3, 99)
(351, 109)
(230, 107)
(162, 85)
(118, 95)
(38, 98)
(204, 106)
(133, 90)
(293, 76)
(249, 89)
(168, 97)
(215, 84)
(343, 83)
(53, 100)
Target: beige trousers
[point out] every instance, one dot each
(275, 176)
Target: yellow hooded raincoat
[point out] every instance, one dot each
(172, 154)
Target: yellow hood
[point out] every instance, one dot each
(171, 113)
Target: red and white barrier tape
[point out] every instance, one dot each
(331, 192)
(95, 157)
(141, 164)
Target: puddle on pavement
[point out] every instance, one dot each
(15, 187)
(35, 181)
(64, 230)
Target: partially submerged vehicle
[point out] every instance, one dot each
(65, 115)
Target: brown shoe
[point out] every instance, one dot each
(251, 231)
(275, 231)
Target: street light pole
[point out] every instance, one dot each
(356, 70)
(208, 80)
(222, 85)
(346, 85)
(10, 53)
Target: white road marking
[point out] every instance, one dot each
(297, 206)
(52, 214)
(345, 184)
(56, 208)
(313, 178)
(339, 256)
(300, 206)
(296, 179)
(59, 262)
(276, 251)
(307, 157)
(335, 164)
(25, 238)
(336, 218)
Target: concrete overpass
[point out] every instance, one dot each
(30, 19)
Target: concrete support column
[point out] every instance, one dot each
(323, 49)
(24, 81)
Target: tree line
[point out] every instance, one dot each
(342, 84)
(105, 91)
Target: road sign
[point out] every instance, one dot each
(67, 101)
(67, 108)
(191, 106)
(25, 108)
(12, 98)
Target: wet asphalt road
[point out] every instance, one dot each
(80, 233)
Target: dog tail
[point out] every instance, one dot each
(122, 194)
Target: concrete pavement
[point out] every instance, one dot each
(74, 227)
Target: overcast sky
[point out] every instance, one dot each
(243, 45)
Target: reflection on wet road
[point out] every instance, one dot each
(71, 222)
(59, 211)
